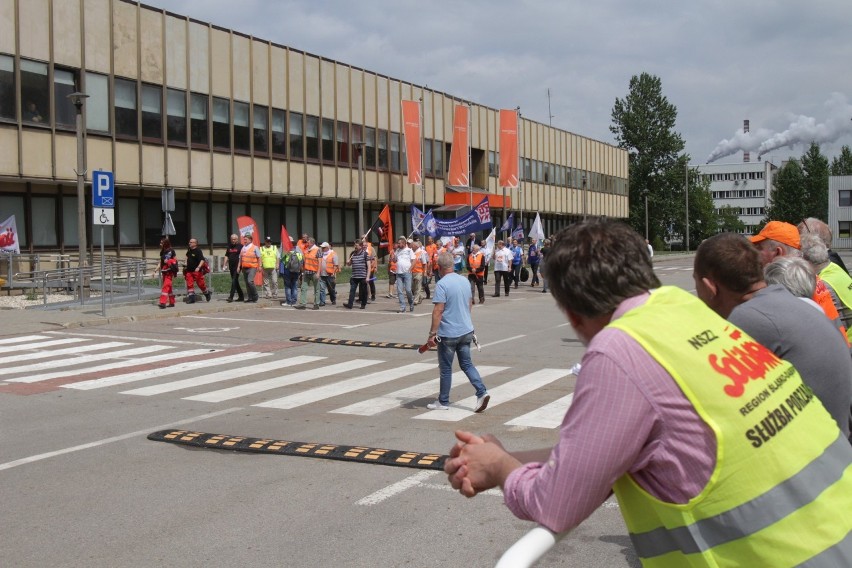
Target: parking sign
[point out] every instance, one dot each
(103, 190)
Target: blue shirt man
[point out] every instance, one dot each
(452, 330)
(517, 261)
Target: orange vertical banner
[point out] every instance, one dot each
(459, 159)
(411, 131)
(508, 148)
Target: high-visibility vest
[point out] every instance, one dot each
(435, 257)
(268, 256)
(311, 260)
(417, 265)
(330, 268)
(431, 250)
(822, 296)
(475, 264)
(841, 283)
(248, 257)
(781, 490)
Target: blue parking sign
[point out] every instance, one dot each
(103, 189)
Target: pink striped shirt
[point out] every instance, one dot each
(628, 416)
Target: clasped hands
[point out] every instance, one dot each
(478, 463)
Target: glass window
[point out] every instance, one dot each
(296, 129)
(256, 212)
(34, 92)
(844, 229)
(370, 148)
(279, 132)
(176, 116)
(357, 135)
(291, 221)
(328, 140)
(342, 143)
(312, 137)
(404, 156)
(383, 149)
(152, 112)
(394, 151)
(351, 224)
(97, 105)
(154, 222)
(322, 225)
(198, 217)
(845, 198)
(427, 157)
(69, 221)
(492, 163)
(242, 135)
(44, 232)
(308, 223)
(221, 234)
(221, 123)
(128, 221)
(438, 155)
(275, 218)
(7, 87)
(64, 83)
(125, 109)
(261, 129)
(198, 119)
(337, 226)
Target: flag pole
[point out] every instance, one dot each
(520, 176)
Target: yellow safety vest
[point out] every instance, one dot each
(841, 283)
(781, 491)
(268, 256)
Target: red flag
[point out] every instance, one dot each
(382, 228)
(411, 131)
(508, 148)
(286, 243)
(249, 227)
(459, 160)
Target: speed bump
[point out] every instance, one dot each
(360, 454)
(354, 342)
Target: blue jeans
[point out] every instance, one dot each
(403, 284)
(447, 348)
(291, 287)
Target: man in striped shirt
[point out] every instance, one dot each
(359, 260)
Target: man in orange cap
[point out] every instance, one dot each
(776, 239)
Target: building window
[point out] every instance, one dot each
(260, 122)
(128, 222)
(242, 134)
(370, 148)
(34, 92)
(198, 119)
(427, 157)
(152, 112)
(383, 150)
(312, 137)
(844, 229)
(845, 196)
(342, 144)
(64, 83)
(296, 127)
(394, 151)
(328, 140)
(7, 87)
(279, 132)
(221, 124)
(125, 109)
(97, 105)
(176, 116)
(44, 231)
(438, 156)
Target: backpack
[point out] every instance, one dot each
(294, 263)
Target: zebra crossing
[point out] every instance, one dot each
(266, 379)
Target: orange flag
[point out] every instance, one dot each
(459, 162)
(382, 228)
(411, 131)
(249, 227)
(508, 148)
(286, 244)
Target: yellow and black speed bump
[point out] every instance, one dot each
(360, 454)
(354, 342)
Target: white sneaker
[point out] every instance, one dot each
(437, 406)
(482, 402)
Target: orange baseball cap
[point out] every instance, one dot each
(784, 233)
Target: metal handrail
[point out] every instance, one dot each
(530, 548)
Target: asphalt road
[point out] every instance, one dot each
(82, 486)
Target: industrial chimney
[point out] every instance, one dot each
(746, 156)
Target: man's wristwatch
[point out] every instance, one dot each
(433, 333)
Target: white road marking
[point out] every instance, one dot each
(21, 339)
(278, 322)
(347, 386)
(67, 351)
(548, 416)
(200, 363)
(502, 340)
(223, 375)
(157, 340)
(73, 362)
(145, 432)
(286, 380)
(396, 399)
(499, 395)
(396, 488)
(41, 345)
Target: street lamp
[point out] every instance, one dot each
(585, 197)
(360, 147)
(77, 99)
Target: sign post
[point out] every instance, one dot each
(103, 210)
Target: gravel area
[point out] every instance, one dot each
(21, 301)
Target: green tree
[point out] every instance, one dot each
(702, 212)
(643, 124)
(729, 220)
(788, 199)
(815, 169)
(842, 165)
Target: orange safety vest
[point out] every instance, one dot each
(431, 250)
(475, 263)
(434, 257)
(311, 260)
(823, 297)
(303, 246)
(330, 268)
(248, 257)
(418, 266)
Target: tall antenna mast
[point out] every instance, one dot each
(550, 119)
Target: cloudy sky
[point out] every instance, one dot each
(785, 66)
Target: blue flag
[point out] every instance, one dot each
(518, 233)
(507, 225)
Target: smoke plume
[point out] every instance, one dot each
(802, 130)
